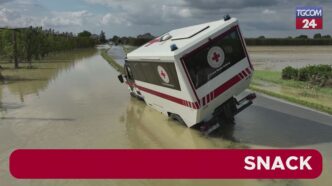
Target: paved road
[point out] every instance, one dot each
(118, 54)
(276, 123)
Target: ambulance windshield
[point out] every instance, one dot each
(220, 54)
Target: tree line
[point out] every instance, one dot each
(133, 41)
(26, 44)
(317, 39)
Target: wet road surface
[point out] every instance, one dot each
(83, 105)
(118, 54)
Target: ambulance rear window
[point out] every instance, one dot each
(213, 59)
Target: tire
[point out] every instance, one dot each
(132, 94)
(229, 111)
(177, 118)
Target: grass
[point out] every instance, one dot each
(294, 91)
(129, 48)
(110, 60)
(275, 77)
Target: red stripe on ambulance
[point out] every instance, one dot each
(195, 105)
(244, 73)
(248, 71)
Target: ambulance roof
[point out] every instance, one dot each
(183, 38)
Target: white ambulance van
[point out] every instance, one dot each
(196, 75)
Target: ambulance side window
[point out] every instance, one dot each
(215, 58)
(157, 73)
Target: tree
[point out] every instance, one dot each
(15, 53)
(102, 37)
(261, 37)
(34, 43)
(317, 36)
(30, 44)
(84, 34)
(9, 44)
(115, 39)
(326, 36)
(302, 37)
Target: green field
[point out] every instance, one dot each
(271, 83)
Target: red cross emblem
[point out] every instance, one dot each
(163, 74)
(216, 57)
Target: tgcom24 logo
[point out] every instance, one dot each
(309, 18)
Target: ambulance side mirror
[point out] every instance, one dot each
(120, 77)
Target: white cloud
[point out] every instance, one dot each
(4, 15)
(12, 18)
(103, 2)
(185, 13)
(64, 19)
(268, 11)
(106, 19)
(275, 17)
(112, 19)
(143, 12)
(54, 19)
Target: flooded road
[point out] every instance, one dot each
(118, 54)
(82, 105)
(278, 57)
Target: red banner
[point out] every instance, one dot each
(309, 23)
(165, 164)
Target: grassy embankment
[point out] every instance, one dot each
(271, 83)
(128, 48)
(110, 60)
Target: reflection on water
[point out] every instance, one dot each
(82, 105)
(31, 81)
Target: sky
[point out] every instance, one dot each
(271, 18)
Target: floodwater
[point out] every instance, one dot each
(79, 103)
(118, 54)
(278, 57)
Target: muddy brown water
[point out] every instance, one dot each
(78, 103)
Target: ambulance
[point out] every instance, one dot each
(196, 75)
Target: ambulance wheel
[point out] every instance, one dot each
(227, 119)
(132, 94)
(229, 111)
(176, 117)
